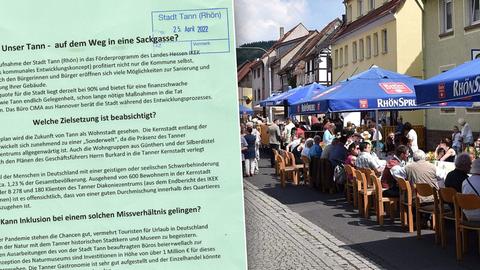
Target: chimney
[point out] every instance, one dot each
(282, 31)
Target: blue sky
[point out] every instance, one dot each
(258, 20)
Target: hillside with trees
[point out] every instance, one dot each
(251, 54)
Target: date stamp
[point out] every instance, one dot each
(197, 30)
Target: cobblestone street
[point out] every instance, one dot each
(278, 238)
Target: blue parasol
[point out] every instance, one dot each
(374, 89)
(461, 83)
(245, 110)
(293, 95)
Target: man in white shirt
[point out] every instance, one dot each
(366, 160)
(287, 133)
(466, 133)
(377, 136)
(411, 136)
(375, 129)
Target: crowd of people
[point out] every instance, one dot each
(398, 156)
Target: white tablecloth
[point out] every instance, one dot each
(443, 168)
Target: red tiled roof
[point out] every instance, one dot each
(309, 45)
(244, 69)
(299, 40)
(280, 41)
(387, 8)
(304, 50)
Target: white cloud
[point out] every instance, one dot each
(258, 20)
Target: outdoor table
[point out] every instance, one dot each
(443, 168)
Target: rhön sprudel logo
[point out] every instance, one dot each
(395, 88)
(441, 90)
(363, 103)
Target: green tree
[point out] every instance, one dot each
(252, 54)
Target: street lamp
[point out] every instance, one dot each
(269, 76)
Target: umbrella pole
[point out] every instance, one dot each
(376, 138)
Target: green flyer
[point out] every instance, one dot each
(120, 139)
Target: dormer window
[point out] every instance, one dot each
(371, 5)
(349, 13)
(360, 8)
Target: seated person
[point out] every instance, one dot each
(355, 138)
(401, 139)
(337, 152)
(299, 130)
(448, 154)
(349, 130)
(389, 147)
(316, 150)
(306, 147)
(388, 178)
(471, 185)
(439, 153)
(476, 144)
(422, 171)
(471, 152)
(366, 136)
(296, 151)
(294, 143)
(366, 160)
(326, 149)
(455, 178)
(353, 151)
